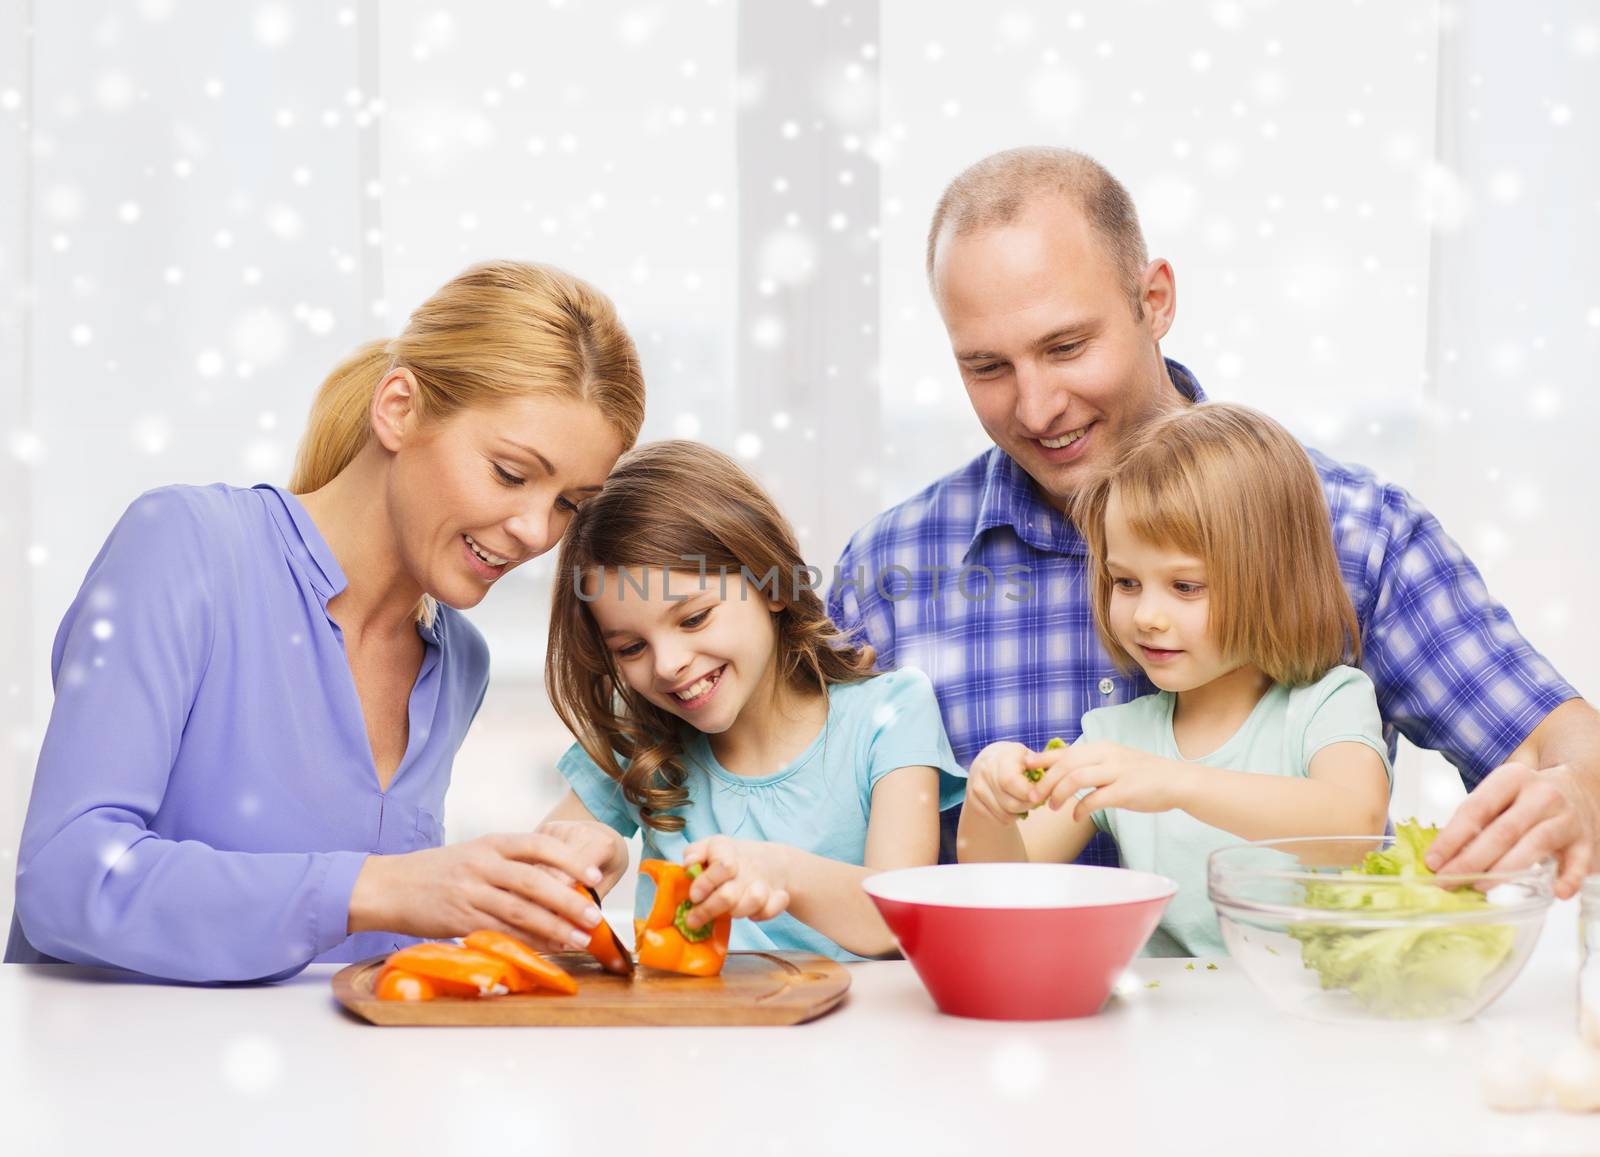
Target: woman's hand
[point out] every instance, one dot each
(742, 878)
(999, 784)
(1118, 776)
(519, 884)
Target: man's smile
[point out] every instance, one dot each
(1066, 447)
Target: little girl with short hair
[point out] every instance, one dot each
(717, 710)
(1214, 571)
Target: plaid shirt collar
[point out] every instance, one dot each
(1011, 497)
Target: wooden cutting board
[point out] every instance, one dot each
(770, 988)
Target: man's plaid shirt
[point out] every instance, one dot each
(1024, 663)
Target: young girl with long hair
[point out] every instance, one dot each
(1214, 571)
(717, 709)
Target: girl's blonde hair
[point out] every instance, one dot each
(677, 506)
(1234, 489)
(500, 330)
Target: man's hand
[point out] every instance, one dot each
(1518, 816)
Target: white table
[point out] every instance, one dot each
(94, 1062)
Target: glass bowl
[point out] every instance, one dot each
(1325, 944)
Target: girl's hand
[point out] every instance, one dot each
(1118, 776)
(518, 884)
(741, 878)
(998, 781)
(591, 842)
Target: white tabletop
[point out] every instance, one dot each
(92, 1061)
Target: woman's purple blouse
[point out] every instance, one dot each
(205, 794)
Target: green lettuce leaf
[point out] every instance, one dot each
(1402, 972)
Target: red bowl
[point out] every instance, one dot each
(1020, 941)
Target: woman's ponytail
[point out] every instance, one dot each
(338, 426)
(497, 331)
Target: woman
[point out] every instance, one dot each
(259, 692)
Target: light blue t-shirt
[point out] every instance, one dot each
(1288, 726)
(819, 803)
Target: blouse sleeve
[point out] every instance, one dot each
(95, 885)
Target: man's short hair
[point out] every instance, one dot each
(995, 190)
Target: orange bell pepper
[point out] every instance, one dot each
(533, 970)
(439, 986)
(665, 939)
(605, 945)
(466, 971)
(398, 984)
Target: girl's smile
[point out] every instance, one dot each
(700, 647)
(696, 694)
(1158, 655)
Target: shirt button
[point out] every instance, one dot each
(1107, 686)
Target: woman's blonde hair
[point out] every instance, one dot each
(677, 506)
(1234, 489)
(500, 330)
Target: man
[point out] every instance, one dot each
(1055, 316)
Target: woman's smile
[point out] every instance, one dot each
(480, 560)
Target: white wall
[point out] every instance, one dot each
(16, 274)
(1383, 219)
(1280, 186)
(1503, 436)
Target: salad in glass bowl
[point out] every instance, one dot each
(1358, 928)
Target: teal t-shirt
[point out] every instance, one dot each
(1288, 726)
(819, 803)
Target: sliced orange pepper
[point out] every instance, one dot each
(665, 940)
(440, 987)
(605, 945)
(516, 980)
(398, 984)
(477, 972)
(539, 972)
